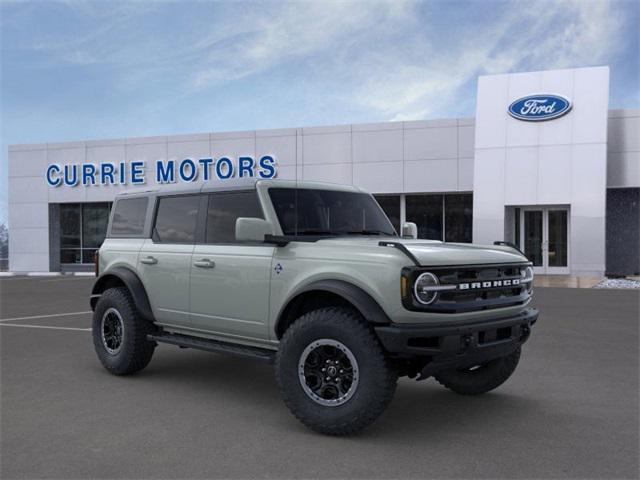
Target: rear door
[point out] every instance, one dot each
(229, 279)
(165, 259)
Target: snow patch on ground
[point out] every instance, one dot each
(618, 283)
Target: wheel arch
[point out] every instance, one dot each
(325, 293)
(123, 277)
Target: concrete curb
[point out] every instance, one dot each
(46, 274)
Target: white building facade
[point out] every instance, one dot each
(544, 164)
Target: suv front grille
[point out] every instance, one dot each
(480, 287)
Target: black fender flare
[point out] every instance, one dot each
(133, 284)
(361, 300)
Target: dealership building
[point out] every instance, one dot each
(544, 164)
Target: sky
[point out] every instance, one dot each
(74, 70)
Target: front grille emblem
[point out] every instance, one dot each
(508, 282)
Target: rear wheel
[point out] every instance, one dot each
(120, 334)
(333, 373)
(481, 378)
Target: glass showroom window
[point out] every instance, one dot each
(82, 230)
(391, 206)
(426, 212)
(458, 217)
(442, 217)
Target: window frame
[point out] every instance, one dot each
(198, 233)
(205, 215)
(81, 248)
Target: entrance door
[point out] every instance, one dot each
(544, 238)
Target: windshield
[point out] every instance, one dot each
(328, 212)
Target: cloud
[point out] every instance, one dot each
(393, 58)
(295, 30)
(525, 36)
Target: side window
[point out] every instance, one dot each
(176, 219)
(128, 216)
(224, 209)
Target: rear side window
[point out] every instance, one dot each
(224, 209)
(128, 216)
(176, 219)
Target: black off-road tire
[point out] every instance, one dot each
(482, 379)
(135, 350)
(377, 376)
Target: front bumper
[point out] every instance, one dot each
(446, 347)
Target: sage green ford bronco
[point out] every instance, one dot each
(313, 278)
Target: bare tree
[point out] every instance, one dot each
(4, 241)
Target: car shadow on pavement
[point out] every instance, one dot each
(417, 408)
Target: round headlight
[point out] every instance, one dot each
(422, 288)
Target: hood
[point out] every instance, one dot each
(439, 253)
(436, 253)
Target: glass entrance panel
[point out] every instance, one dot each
(533, 236)
(558, 241)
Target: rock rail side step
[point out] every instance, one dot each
(217, 346)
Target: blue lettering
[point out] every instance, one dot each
(88, 173)
(137, 172)
(53, 182)
(123, 173)
(267, 167)
(193, 170)
(106, 172)
(165, 174)
(70, 180)
(220, 172)
(206, 163)
(245, 164)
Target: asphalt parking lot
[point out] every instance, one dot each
(570, 410)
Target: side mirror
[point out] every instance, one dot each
(252, 229)
(410, 230)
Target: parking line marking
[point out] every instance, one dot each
(45, 326)
(15, 319)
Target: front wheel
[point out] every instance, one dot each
(332, 372)
(481, 378)
(120, 334)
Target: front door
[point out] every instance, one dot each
(544, 238)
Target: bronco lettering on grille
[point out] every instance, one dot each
(508, 282)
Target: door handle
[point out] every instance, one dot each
(204, 263)
(149, 260)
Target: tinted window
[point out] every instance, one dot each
(128, 216)
(176, 219)
(224, 209)
(328, 212)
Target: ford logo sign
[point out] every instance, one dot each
(535, 108)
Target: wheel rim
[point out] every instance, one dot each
(112, 331)
(328, 372)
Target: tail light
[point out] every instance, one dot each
(96, 262)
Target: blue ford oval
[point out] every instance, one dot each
(535, 108)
